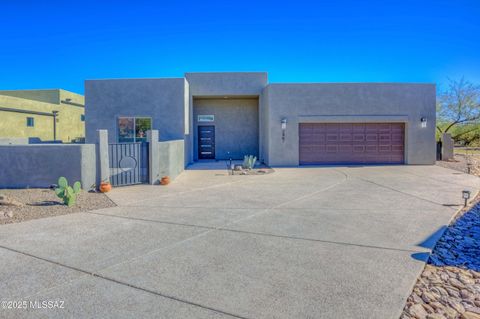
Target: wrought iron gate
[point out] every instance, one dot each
(128, 163)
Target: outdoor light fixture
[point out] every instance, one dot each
(423, 120)
(231, 166)
(466, 196)
(284, 128)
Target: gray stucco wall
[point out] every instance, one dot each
(24, 166)
(13, 140)
(226, 83)
(171, 158)
(236, 126)
(164, 100)
(362, 102)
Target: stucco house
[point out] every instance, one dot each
(229, 115)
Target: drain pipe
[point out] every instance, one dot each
(55, 113)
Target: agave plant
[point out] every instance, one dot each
(249, 161)
(67, 193)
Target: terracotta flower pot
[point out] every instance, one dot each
(105, 187)
(165, 180)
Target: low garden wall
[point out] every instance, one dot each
(40, 165)
(171, 156)
(13, 140)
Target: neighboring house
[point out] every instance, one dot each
(42, 115)
(229, 115)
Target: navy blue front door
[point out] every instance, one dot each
(206, 142)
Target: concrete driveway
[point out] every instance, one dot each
(319, 242)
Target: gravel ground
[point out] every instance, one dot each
(449, 286)
(39, 203)
(460, 163)
(255, 171)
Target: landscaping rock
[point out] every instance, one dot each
(428, 308)
(473, 309)
(450, 282)
(38, 203)
(450, 313)
(417, 311)
(456, 305)
(6, 214)
(471, 315)
(461, 163)
(428, 297)
(465, 294)
(7, 201)
(416, 298)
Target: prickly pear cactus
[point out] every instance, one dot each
(67, 193)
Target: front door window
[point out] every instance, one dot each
(133, 129)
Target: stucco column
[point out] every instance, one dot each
(103, 166)
(154, 157)
(447, 147)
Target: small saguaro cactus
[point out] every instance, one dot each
(67, 193)
(249, 161)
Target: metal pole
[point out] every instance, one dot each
(55, 113)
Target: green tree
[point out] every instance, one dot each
(459, 107)
(466, 134)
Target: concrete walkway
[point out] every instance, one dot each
(318, 242)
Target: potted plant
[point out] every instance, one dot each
(105, 186)
(165, 180)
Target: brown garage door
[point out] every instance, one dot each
(351, 143)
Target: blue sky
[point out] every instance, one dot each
(57, 44)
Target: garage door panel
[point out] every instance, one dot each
(332, 137)
(331, 148)
(361, 143)
(384, 137)
(345, 148)
(359, 137)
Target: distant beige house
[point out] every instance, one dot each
(42, 115)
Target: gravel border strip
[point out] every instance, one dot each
(449, 286)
